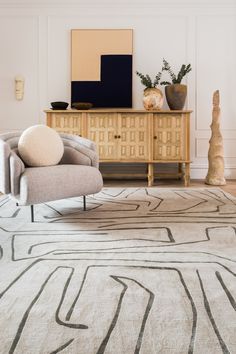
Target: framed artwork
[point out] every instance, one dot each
(101, 67)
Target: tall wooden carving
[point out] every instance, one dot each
(215, 175)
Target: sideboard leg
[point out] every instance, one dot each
(150, 174)
(187, 174)
(180, 170)
(32, 213)
(84, 202)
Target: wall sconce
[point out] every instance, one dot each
(19, 87)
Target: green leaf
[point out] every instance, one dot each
(147, 81)
(176, 79)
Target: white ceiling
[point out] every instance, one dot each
(68, 3)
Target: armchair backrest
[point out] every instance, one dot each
(5, 152)
(8, 145)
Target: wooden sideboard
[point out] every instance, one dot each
(130, 135)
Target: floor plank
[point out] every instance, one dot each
(168, 183)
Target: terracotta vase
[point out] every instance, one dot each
(176, 96)
(153, 99)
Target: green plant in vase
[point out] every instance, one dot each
(152, 96)
(176, 92)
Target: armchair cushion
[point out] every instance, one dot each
(40, 145)
(42, 184)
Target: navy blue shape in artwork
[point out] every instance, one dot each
(115, 87)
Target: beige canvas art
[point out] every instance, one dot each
(88, 46)
(101, 67)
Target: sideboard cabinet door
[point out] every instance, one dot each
(71, 123)
(102, 129)
(169, 137)
(133, 137)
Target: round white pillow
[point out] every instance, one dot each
(40, 145)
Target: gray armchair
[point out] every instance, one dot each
(76, 175)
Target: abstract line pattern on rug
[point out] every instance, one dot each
(142, 271)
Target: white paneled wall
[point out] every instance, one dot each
(35, 43)
(19, 56)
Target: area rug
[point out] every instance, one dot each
(143, 270)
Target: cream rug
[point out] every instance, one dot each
(141, 271)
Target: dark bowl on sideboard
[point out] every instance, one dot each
(59, 105)
(82, 105)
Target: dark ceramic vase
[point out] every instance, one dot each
(176, 96)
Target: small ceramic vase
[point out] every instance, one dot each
(153, 99)
(176, 96)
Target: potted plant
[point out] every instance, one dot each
(175, 91)
(152, 97)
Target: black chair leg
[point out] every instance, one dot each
(32, 213)
(84, 202)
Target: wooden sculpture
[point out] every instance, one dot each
(215, 175)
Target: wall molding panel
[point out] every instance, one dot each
(35, 42)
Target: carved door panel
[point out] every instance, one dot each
(133, 136)
(67, 123)
(169, 137)
(102, 129)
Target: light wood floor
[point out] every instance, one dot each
(230, 187)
